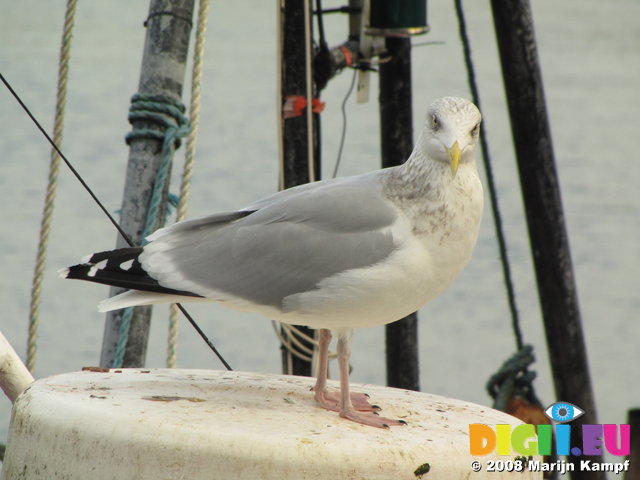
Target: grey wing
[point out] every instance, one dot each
(287, 245)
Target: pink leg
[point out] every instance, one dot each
(347, 409)
(320, 389)
(331, 400)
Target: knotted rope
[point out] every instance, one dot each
(514, 379)
(166, 114)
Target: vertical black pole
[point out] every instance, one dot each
(396, 127)
(162, 73)
(549, 243)
(634, 456)
(294, 129)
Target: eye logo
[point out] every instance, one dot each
(563, 412)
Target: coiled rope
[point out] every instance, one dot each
(514, 379)
(167, 115)
(187, 172)
(49, 201)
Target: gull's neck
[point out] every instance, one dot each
(418, 177)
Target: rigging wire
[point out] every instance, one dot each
(66, 161)
(513, 379)
(502, 244)
(100, 205)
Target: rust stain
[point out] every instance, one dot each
(95, 369)
(172, 398)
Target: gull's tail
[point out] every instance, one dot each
(121, 268)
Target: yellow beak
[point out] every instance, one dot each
(454, 157)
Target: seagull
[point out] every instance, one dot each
(333, 255)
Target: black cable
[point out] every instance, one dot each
(506, 269)
(104, 210)
(320, 18)
(64, 159)
(203, 336)
(344, 122)
(324, 67)
(345, 9)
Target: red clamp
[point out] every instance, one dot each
(348, 58)
(294, 105)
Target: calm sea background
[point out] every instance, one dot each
(590, 54)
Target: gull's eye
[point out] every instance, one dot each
(475, 130)
(563, 412)
(435, 123)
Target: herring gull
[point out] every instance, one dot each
(333, 255)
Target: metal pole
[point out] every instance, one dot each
(396, 127)
(541, 192)
(634, 456)
(162, 73)
(297, 151)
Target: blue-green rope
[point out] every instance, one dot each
(514, 379)
(166, 114)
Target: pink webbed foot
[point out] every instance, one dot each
(371, 419)
(352, 406)
(331, 401)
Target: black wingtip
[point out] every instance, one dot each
(118, 268)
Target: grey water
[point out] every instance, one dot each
(590, 59)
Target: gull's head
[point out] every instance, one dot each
(451, 131)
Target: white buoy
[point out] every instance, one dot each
(201, 424)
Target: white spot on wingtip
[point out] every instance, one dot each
(96, 267)
(126, 265)
(63, 272)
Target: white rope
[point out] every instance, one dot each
(187, 174)
(291, 338)
(286, 340)
(289, 334)
(54, 164)
(309, 84)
